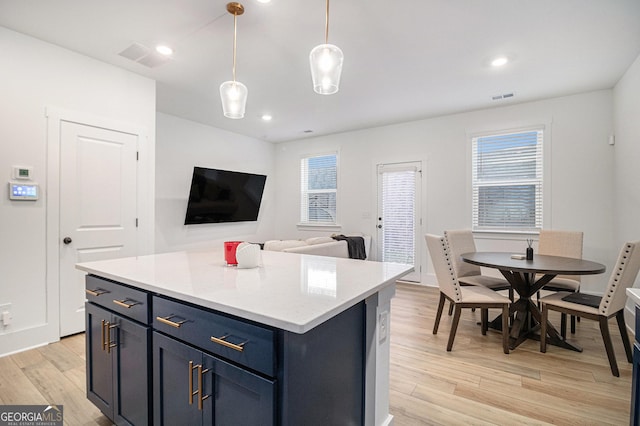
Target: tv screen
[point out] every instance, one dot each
(223, 196)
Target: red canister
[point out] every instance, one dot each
(230, 252)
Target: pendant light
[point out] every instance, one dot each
(326, 64)
(233, 93)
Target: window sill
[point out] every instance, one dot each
(319, 226)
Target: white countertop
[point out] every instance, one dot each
(634, 294)
(289, 291)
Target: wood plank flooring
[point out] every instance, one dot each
(475, 383)
(52, 374)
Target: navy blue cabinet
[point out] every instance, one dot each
(118, 351)
(118, 366)
(192, 387)
(156, 360)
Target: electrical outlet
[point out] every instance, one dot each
(383, 326)
(5, 314)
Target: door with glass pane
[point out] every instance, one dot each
(399, 215)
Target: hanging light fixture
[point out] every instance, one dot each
(233, 93)
(326, 64)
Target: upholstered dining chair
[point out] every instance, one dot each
(463, 296)
(565, 244)
(602, 308)
(461, 241)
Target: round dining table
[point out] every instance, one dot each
(527, 277)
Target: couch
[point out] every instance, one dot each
(319, 246)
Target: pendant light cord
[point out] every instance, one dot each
(326, 26)
(235, 17)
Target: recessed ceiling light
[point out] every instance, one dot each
(264, 1)
(499, 61)
(266, 117)
(164, 50)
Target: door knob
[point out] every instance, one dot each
(67, 240)
(379, 226)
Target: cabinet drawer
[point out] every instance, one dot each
(246, 344)
(118, 298)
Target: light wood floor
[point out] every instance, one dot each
(52, 374)
(476, 383)
(473, 384)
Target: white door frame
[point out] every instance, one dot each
(145, 203)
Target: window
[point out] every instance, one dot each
(507, 181)
(318, 185)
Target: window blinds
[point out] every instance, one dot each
(398, 214)
(507, 181)
(318, 184)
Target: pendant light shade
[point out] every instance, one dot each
(326, 64)
(234, 98)
(233, 93)
(326, 67)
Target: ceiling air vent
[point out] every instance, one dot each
(143, 55)
(505, 96)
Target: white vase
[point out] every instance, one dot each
(248, 255)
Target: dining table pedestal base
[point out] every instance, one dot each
(525, 313)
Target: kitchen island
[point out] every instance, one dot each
(183, 337)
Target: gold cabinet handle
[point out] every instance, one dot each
(191, 391)
(124, 303)
(97, 292)
(105, 337)
(201, 396)
(167, 320)
(221, 341)
(108, 343)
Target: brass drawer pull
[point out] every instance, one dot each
(105, 337)
(191, 391)
(168, 321)
(220, 340)
(124, 303)
(201, 395)
(97, 292)
(109, 344)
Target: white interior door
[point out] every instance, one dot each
(98, 198)
(399, 215)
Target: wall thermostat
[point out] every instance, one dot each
(22, 172)
(23, 191)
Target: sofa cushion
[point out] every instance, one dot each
(333, 249)
(319, 240)
(280, 245)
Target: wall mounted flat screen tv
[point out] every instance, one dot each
(223, 196)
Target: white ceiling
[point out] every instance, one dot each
(403, 61)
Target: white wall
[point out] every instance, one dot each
(37, 75)
(183, 144)
(626, 107)
(627, 155)
(581, 180)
